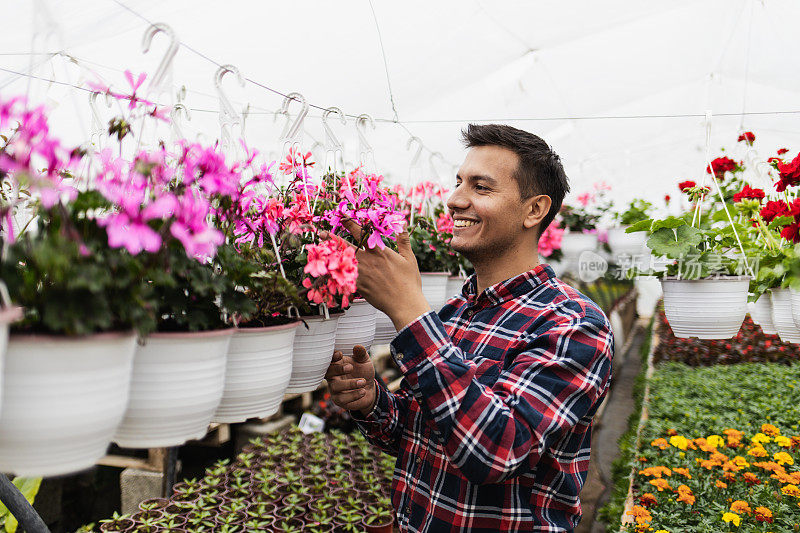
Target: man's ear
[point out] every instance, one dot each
(539, 206)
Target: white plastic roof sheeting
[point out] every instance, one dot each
(599, 80)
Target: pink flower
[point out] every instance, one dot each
(333, 266)
(585, 198)
(133, 235)
(550, 240)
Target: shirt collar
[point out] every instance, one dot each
(508, 289)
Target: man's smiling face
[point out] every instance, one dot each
(486, 206)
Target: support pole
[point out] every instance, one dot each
(23, 511)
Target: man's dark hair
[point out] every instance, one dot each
(539, 171)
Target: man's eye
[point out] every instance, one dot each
(481, 188)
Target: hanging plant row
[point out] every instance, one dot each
(154, 290)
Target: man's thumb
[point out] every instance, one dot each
(404, 246)
(360, 354)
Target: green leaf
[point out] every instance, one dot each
(675, 243)
(29, 487)
(669, 222)
(642, 225)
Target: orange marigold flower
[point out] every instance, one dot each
(647, 499)
(640, 514)
(763, 514)
(740, 506)
(660, 484)
(642, 459)
(656, 471)
(721, 484)
(732, 433)
(770, 466)
(750, 478)
(731, 466)
(784, 477)
(683, 471)
(686, 497)
(730, 477)
(672, 432)
(719, 457)
(770, 430)
(796, 441)
(660, 443)
(708, 464)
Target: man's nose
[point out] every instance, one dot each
(458, 200)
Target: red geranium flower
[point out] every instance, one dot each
(667, 198)
(774, 209)
(791, 232)
(749, 137)
(782, 151)
(688, 184)
(747, 192)
(789, 172)
(722, 165)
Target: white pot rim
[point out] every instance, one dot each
(309, 318)
(673, 279)
(10, 314)
(435, 273)
(458, 277)
(265, 329)
(105, 335)
(191, 334)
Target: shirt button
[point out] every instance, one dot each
(400, 357)
(469, 313)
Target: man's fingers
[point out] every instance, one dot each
(337, 386)
(342, 399)
(404, 246)
(351, 226)
(340, 368)
(360, 354)
(337, 355)
(328, 236)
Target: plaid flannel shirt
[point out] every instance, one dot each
(492, 423)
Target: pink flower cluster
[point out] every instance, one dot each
(373, 208)
(32, 156)
(333, 270)
(158, 193)
(550, 240)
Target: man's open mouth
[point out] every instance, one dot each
(464, 223)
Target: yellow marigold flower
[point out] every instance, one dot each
(788, 490)
(683, 471)
(721, 484)
(731, 517)
(783, 458)
(716, 441)
(662, 531)
(770, 430)
(783, 442)
(660, 484)
(760, 438)
(679, 442)
(740, 461)
(741, 506)
(757, 451)
(660, 443)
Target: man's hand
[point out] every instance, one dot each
(351, 381)
(389, 280)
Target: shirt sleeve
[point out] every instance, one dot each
(493, 433)
(383, 426)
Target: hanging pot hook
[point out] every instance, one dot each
(175, 116)
(226, 106)
(290, 131)
(361, 129)
(418, 153)
(332, 142)
(434, 172)
(158, 79)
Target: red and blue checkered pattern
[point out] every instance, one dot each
(492, 423)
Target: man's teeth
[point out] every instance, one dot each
(464, 223)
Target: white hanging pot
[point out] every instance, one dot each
(178, 379)
(313, 350)
(454, 285)
(782, 316)
(706, 308)
(384, 329)
(573, 245)
(8, 315)
(356, 326)
(257, 372)
(628, 244)
(750, 307)
(434, 287)
(62, 400)
(761, 313)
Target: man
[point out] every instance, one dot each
(492, 423)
